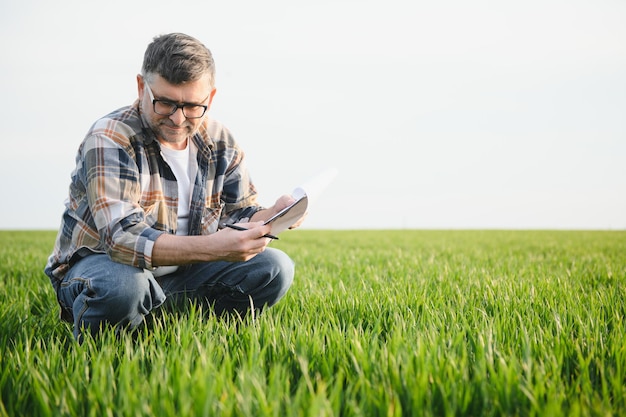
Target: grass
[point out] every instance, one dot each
(378, 323)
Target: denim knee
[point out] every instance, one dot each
(274, 275)
(284, 276)
(98, 292)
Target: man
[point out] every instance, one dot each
(154, 185)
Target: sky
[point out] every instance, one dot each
(436, 114)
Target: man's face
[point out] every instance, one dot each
(174, 129)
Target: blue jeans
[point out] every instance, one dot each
(97, 291)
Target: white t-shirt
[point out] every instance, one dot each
(185, 167)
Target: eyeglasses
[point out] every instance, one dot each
(168, 108)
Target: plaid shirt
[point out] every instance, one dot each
(123, 195)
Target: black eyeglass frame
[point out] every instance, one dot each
(174, 106)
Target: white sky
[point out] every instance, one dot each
(437, 114)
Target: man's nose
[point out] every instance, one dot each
(178, 117)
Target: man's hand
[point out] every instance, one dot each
(283, 201)
(242, 245)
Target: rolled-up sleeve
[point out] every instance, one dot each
(112, 186)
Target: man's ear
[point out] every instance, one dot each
(211, 98)
(140, 86)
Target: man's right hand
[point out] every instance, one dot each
(242, 245)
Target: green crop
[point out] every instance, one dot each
(377, 323)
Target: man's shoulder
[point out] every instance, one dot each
(121, 125)
(214, 132)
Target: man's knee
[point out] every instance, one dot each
(281, 271)
(101, 292)
(135, 292)
(283, 280)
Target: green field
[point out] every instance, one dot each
(378, 323)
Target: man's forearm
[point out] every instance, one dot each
(224, 245)
(179, 250)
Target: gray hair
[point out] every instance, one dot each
(178, 58)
